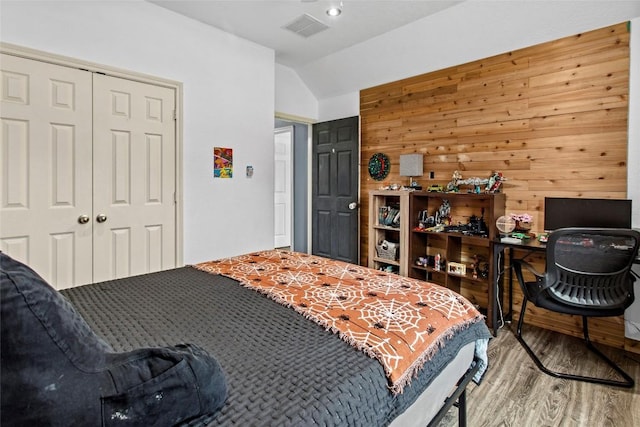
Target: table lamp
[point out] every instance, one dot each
(411, 166)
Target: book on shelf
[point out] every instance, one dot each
(389, 216)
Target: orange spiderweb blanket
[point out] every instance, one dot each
(397, 320)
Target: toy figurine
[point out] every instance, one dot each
(475, 266)
(453, 185)
(479, 267)
(494, 183)
(491, 184)
(443, 213)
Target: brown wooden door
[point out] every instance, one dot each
(335, 189)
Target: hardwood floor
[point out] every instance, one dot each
(514, 392)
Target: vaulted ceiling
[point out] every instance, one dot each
(264, 22)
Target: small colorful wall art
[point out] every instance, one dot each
(222, 162)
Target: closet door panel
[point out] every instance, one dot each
(45, 161)
(134, 178)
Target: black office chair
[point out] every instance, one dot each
(588, 274)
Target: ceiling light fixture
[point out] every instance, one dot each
(335, 10)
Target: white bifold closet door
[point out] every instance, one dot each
(133, 178)
(87, 186)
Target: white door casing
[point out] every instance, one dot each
(283, 194)
(134, 178)
(45, 184)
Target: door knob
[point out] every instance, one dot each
(101, 218)
(83, 219)
(353, 205)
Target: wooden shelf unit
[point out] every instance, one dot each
(379, 232)
(456, 246)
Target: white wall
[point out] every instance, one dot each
(339, 107)
(632, 314)
(293, 97)
(633, 166)
(228, 101)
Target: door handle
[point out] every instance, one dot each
(101, 218)
(353, 205)
(83, 219)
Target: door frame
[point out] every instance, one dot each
(303, 121)
(289, 129)
(176, 86)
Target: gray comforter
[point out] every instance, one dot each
(281, 368)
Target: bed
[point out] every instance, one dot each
(283, 364)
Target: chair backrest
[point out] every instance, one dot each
(592, 266)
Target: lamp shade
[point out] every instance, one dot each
(411, 165)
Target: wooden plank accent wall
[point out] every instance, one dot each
(552, 118)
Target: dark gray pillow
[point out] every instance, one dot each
(56, 371)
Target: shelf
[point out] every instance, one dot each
(452, 246)
(470, 278)
(428, 269)
(379, 232)
(386, 261)
(386, 227)
(479, 211)
(477, 240)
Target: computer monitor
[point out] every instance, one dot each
(562, 212)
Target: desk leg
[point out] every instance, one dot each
(499, 274)
(509, 315)
(495, 292)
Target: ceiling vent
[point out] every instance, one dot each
(306, 26)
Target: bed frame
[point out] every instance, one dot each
(457, 398)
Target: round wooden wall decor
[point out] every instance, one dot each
(379, 166)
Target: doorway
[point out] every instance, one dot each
(282, 183)
(300, 183)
